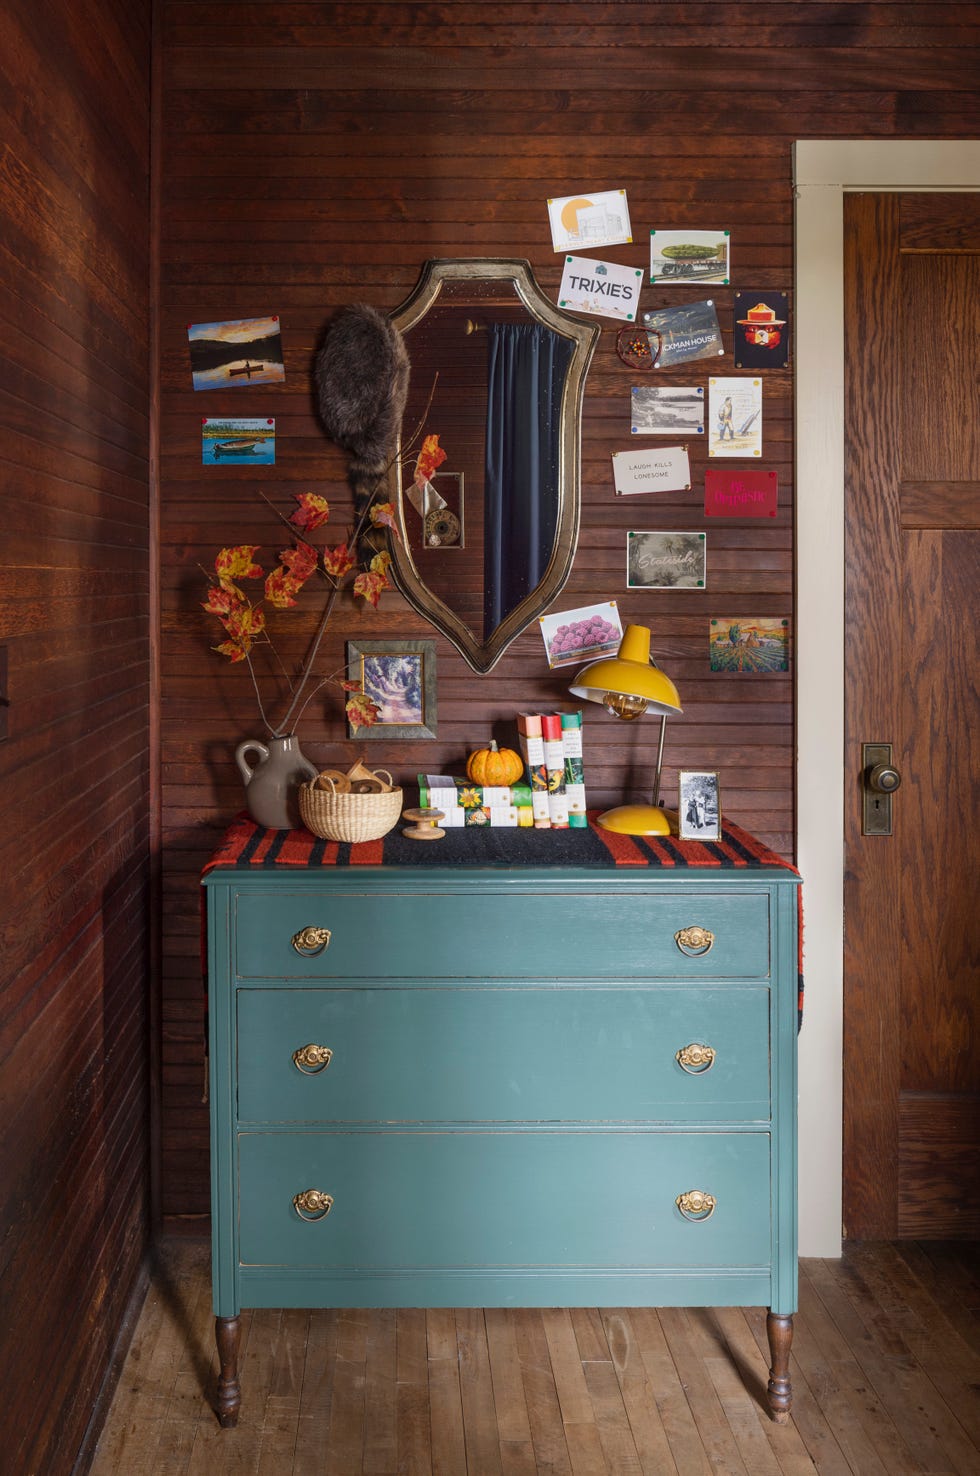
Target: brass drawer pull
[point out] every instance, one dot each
(313, 1204)
(695, 942)
(312, 1059)
(695, 1058)
(311, 941)
(696, 1204)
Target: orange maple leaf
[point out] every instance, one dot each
(312, 511)
(299, 560)
(362, 711)
(232, 650)
(237, 563)
(244, 623)
(369, 586)
(383, 516)
(338, 560)
(280, 587)
(379, 565)
(220, 601)
(429, 460)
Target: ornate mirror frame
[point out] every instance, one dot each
(483, 655)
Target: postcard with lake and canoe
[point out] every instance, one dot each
(241, 351)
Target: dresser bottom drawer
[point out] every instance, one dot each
(429, 1201)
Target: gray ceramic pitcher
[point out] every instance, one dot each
(270, 784)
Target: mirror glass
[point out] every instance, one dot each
(488, 546)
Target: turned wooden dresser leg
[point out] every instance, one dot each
(779, 1330)
(226, 1331)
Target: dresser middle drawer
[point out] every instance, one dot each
(503, 1054)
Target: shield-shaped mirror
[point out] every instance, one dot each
(487, 546)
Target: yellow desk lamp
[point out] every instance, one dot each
(627, 685)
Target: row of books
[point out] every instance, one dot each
(551, 746)
(552, 796)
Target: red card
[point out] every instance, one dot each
(731, 493)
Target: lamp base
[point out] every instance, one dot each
(637, 820)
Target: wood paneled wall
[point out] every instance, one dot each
(316, 155)
(74, 627)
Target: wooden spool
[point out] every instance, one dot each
(425, 827)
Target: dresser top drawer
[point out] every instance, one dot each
(490, 1053)
(499, 932)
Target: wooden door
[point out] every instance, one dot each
(911, 996)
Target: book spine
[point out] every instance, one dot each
(571, 737)
(443, 790)
(532, 751)
(554, 760)
(499, 805)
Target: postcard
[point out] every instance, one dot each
(239, 351)
(749, 643)
(586, 222)
(601, 287)
(683, 333)
(739, 494)
(668, 469)
(236, 442)
(689, 256)
(667, 410)
(575, 636)
(735, 413)
(761, 330)
(665, 560)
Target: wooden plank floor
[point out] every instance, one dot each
(886, 1374)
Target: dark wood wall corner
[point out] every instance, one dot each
(74, 618)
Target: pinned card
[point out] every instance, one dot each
(667, 469)
(739, 494)
(601, 287)
(586, 222)
(682, 333)
(735, 415)
(667, 410)
(761, 330)
(679, 257)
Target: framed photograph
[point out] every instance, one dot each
(698, 806)
(400, 676)
(665, 560)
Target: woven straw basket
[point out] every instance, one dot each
(348, 817)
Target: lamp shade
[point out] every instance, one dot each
(629, 674)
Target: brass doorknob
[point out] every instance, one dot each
(884, 779)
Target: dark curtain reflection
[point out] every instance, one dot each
(528, 364)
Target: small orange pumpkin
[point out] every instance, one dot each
(494, 766)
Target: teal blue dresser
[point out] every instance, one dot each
(486, 1084)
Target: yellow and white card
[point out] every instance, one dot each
(586, 222)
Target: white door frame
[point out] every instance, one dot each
(823, 172)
